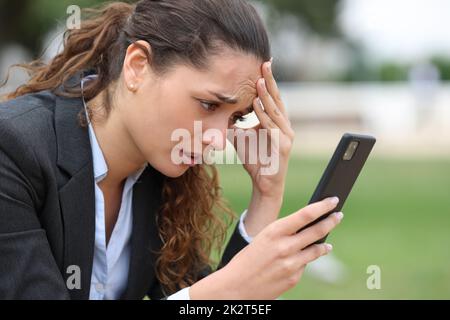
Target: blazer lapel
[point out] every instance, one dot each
(77, 199)
(77, 193)
(145, 239)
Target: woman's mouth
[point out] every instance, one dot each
(190, 159)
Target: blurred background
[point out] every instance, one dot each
(378, 67)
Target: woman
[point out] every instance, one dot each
(92, 205)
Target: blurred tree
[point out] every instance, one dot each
(443, 65)
(27, 22)
(318, 15)
(360, 68)
(392, 71)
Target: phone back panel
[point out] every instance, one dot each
(340, 175)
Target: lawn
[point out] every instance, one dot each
(397, 217)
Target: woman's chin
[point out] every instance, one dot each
(174, 170)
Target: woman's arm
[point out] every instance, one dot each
(275, 260)
(262, 211)
(27, 267)
(268, 178)
(235, 244)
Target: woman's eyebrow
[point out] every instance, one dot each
(224, 98)
(230, 100)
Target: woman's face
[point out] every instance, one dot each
(161, 106)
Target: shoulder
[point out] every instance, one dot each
(29, 116)
(41, 104)
(27, 125)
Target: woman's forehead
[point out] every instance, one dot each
(238, 67)
(232, 75)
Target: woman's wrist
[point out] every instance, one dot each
(262, 211)
(275, 196)
(215, 286)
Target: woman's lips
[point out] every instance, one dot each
(191, 159)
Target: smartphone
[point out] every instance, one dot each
(342, 171)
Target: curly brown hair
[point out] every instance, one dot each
(192, 220)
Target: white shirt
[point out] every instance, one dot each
(111, 263)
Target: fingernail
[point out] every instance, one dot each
(339, 215)
(334, 200)
(329, 247)
(259, 102)
(269, 67)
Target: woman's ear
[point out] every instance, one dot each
(136, 64)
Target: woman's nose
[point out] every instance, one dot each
(215, 138)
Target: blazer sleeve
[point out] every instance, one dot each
(235, 244)
(28, 269)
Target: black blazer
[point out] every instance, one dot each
(47, 206)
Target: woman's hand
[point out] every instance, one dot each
(268, 179)
(274, 262)
(272, 118)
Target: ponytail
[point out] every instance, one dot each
(89, 48)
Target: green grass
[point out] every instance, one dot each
(397, 217)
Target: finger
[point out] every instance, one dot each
(232, 135)
(264, 119)
(313, 253)
(294, 222)
(271, 108)
(246, 144)
(272, 86)
(316, 232)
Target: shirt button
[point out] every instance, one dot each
(100, 287)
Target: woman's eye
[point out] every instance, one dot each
(209, 106)
(238, 118)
